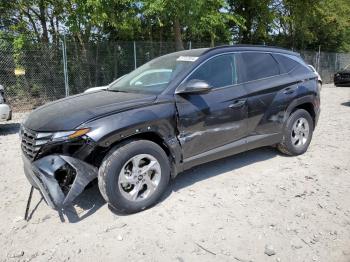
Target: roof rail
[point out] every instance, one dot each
(255, 47)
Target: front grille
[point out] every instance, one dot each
(33, 141)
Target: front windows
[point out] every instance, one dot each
(219, 71)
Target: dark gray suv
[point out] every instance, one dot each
(175, 112)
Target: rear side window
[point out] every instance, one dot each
(287, 64)
(219, 71)
(259, 65)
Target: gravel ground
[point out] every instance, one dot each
(255, 206)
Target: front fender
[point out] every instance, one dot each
(159, 119)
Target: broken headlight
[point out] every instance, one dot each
(67, 135)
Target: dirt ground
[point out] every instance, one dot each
(234, 209)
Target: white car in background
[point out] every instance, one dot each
(318, 75)
(5, 110)
(98, 88)
(161, 76)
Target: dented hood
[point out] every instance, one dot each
(68, 113)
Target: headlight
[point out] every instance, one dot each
(66, 135)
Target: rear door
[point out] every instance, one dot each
(269, 88)
(207, 121)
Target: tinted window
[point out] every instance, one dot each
(218, 72)
(287, 64)
(259, 65)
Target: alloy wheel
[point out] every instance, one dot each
(300, 132)
(139, 177)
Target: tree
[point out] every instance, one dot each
(257, 20)
(197, 19)
(214, 18)
(308, 24)
(177, 13)
(302, 24)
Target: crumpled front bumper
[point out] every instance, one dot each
(42, 174)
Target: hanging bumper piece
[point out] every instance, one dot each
(59, 178)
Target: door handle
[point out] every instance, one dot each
(237, 103)
(289, 91)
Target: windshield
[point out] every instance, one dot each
(154, 76)
(347, 67)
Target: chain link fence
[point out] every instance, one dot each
(31, 77)
(39, 74)
(327, 64)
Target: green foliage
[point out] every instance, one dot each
(310, 24)
(258, 18)
(302, 24)
(214, 19)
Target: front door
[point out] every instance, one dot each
(208, 121)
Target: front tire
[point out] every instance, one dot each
(297, 133)
(133, 176)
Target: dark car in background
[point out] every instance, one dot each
(342, 78)
(173, 113)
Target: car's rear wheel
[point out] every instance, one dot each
(297, 133)
(133, 176)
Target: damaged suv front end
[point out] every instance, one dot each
(55, 163)
(63, 142)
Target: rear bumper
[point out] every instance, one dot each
(345, 84)
(42, 174)
(5, 112)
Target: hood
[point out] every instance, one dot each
(68, 113)
(344, 71)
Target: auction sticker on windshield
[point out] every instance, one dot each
(187, 58)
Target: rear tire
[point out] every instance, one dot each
(297, 133)
(133, 176)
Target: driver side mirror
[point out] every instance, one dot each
(194, 87)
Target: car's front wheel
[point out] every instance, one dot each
(133, 176)
(297, 133)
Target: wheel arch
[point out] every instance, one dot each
(305, 103)
(169, 146)
(309, 108)
(156, 123)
